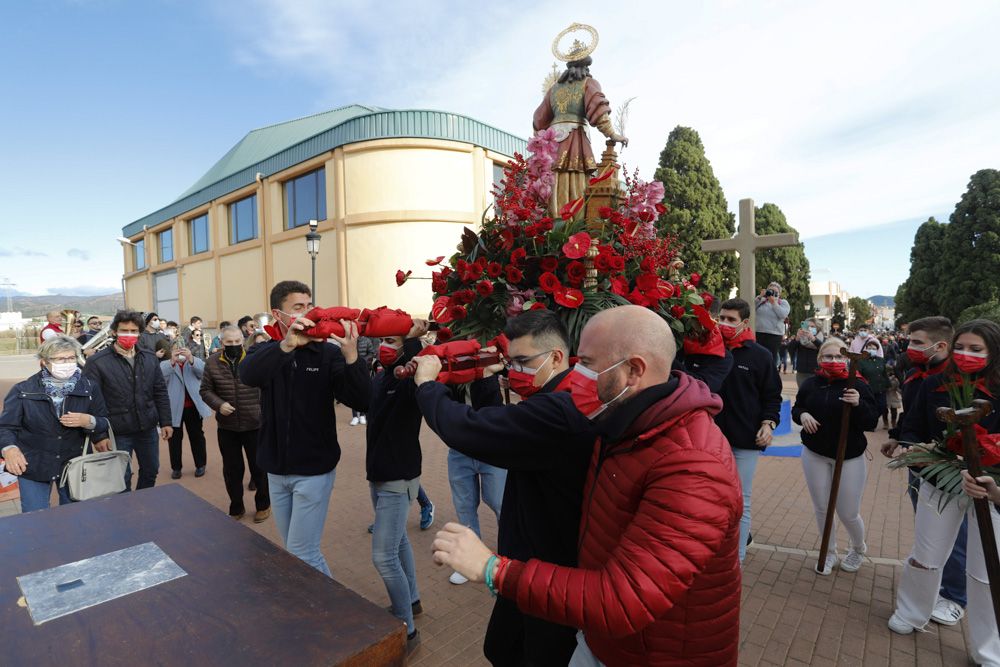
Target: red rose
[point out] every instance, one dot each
(518, 256)
(401, 277)
(506, 239)
(605, 212)
(485, 288)
(538, 305)
(446, 271)
(576, 271)
(577, 245)
(677, 311)
(514, 274)
(548, 282)
(708, 299)
(570, 209)
(434, 262)
(482, 262)
(494, 269)
(462, 297)
(546, 224)
(456, 313)
(568, 297)
(695, 278)
(548, 263)
(619, 286)
(474, 272)
(617, 263)
(602, 263)
(646, 282)
(608, 173)
(439, 285)
(443, 335)
(531, 230)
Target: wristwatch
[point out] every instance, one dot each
(770, 423)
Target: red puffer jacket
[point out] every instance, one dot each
(659, 575)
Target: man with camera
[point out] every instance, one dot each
(771, 313)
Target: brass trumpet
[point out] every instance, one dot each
(70, 316)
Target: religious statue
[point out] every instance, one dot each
(573, 101)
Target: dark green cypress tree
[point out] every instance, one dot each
(788, 266)
(920, 295)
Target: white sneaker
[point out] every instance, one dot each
(947, 612)
(364, 420)
(853, 560)
(457, 578)
(899, 626)
(354, 422)
(831, 562)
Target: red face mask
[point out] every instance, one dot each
(388, 354)
(522, 382)
(583, 388)
(919, 355)
(127, 341)
(834, 370)
(970, 362)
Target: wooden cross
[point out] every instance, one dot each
(746, 243)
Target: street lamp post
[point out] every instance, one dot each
(312, 247)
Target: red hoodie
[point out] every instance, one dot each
(658, 581)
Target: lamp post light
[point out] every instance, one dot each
(312, 247)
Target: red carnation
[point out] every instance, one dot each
(677, 311)
(605, 212)
(548, 263)
(568, 297)
(443, 335)
(434, 262)
(602, 263)
(456, 313)
(570, 209)
(485, 288)
(577, 245)
(401, 277)
(617, 263)
(695, 278)
(538, 305)
(576, 271)
(482, 262)
(462, 297)
(514, 274)
(546, 224)
(548, 282)
(518, 256)
(619, 286)
(474, 272)
(494, 269)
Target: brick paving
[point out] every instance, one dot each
(790, 615)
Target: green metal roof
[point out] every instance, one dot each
(275, 148)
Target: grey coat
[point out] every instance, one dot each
(771, 316)
(176, 384)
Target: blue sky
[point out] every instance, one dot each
(850, 118)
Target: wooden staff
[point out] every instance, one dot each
(966, 420)
(838, 468)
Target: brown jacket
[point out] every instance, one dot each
(221, 384)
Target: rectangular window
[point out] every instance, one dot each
(165, 241)
(139, 254)
(305, 199)
(166, 296)
(243, 220)
(198, 228)
(497, 178)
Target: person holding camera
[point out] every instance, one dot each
(771, 313)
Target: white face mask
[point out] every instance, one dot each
(62, 371)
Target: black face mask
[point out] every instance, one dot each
(233, 352)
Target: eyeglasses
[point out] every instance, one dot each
(63, 360)
(832, 357)
(518, 363)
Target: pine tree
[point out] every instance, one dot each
(789, 266)
(970, 258)
(920, 294)
(696, 210)
(861, 311)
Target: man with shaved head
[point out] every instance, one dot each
(658, 578)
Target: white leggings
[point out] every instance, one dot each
(819, 476)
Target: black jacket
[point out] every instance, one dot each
(298, 430)
(135, 394)
(805, 357)
(873, 370)
(751, 394)
(821, 399)
(393, 436)
(30, 422)
(921, 423)
(910, 389)
(708, 368)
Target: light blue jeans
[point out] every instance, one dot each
(299, 504)
(746, 466)
(35, 495)
(392, 554)
(471, 480)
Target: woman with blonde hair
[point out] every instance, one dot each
(818, 408)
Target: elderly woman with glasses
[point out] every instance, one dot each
(818, 408)
(46, 420)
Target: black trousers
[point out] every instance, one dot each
(772, 342)
(191, 421)
(232, 445)
(516, 639)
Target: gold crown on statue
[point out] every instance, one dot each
(577, 49)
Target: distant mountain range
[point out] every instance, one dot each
(37, 306)
(882, 301)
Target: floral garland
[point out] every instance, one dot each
(522, 259)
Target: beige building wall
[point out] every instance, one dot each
(197, 284)
(242, 285)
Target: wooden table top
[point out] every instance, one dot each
(244, 600)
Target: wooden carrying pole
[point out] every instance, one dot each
(967, 419)
(838, 468)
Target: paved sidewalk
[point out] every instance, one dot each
(790, 615)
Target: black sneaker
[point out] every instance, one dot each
(412, 641)
(175, 474)
(416, 608)
(199, 472)
(749, 539)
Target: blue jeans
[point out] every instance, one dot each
(953, 583)
(392, 554)
(422, 498)
(746, 465)
(299, 504)
(471, 480)
(146, 447)
(35, 495)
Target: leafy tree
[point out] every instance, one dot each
(862, 311)
(984, 311)
(920, 294)
(970, 257)
(696, 210)
(838, 313)
(788, 266)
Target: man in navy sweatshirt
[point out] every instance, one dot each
(751, 400)
(299, 378)
(545, 444)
